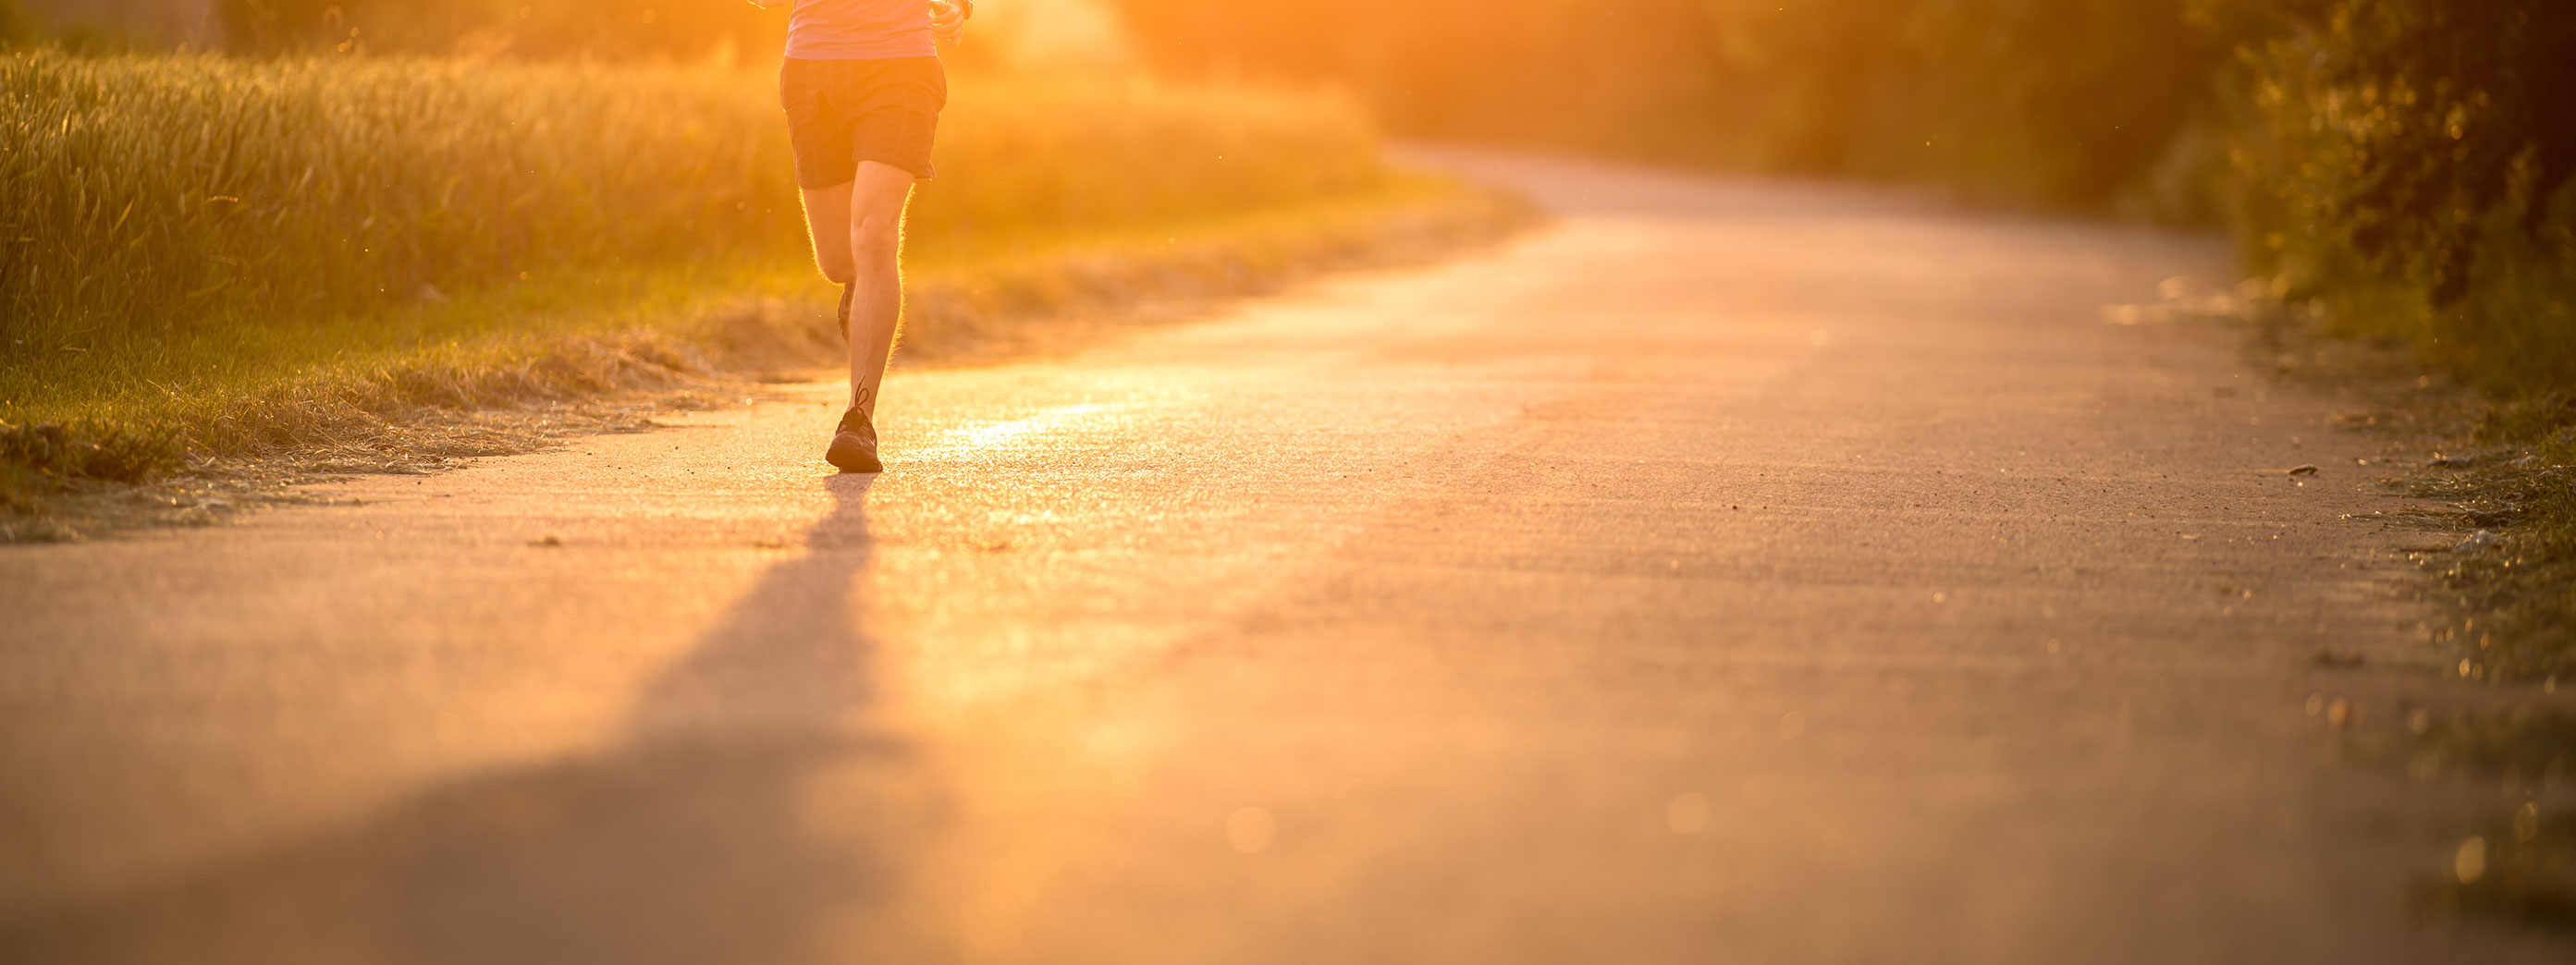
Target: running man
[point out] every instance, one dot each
(863, 88)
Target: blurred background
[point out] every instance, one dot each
(2392, 170)
(2349, 144)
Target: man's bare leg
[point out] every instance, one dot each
(858, 241)
(877, 202)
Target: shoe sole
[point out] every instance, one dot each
(849, 454)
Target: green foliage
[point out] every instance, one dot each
(2408, 163)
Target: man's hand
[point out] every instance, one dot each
(948, 19)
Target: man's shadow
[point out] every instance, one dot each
(688, 843)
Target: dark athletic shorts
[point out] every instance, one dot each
(842, 112)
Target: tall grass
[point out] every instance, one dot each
(145, 195)
(312, 257)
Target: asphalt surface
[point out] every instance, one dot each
(1725, 572)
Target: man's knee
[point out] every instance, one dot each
(876, 243)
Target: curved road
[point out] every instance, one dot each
(1727, 572)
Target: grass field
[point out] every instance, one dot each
(207, 256)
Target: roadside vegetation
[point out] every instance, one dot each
(152, 200)
(213, 258)
(2407, 175)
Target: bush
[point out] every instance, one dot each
(2408, 164)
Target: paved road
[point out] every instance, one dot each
(1728, 572)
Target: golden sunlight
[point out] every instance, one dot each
(1287, 482)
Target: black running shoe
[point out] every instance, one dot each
(854, 444)
(846, 292)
